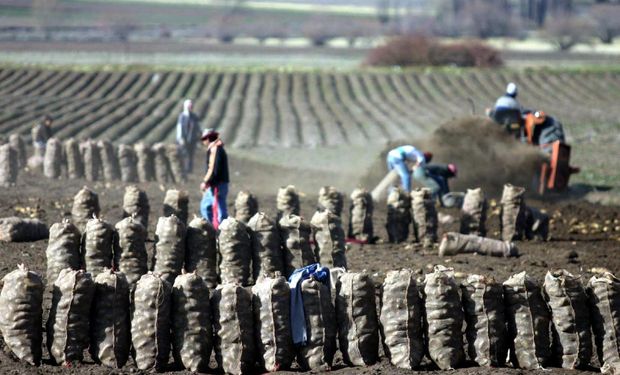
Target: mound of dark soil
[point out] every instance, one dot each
(486, 156)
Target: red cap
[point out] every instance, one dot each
(452, 168)
(428, 156)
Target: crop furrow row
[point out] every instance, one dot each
(133, 127)
(308, 124)
(359, 93)
(325, 120)
(249, 122)
(410, 123)
(419, 107)
(32, 77)
(268, 129)
(39, 86)
(216, 104)
(287, 117)
(228, 127)
(11, 80)
(349, 111)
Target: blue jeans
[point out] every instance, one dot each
(206, 204)
(401, 167)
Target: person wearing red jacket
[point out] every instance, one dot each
(215, 182)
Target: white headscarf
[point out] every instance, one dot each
(186, 104)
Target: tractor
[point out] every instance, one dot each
(539, 129)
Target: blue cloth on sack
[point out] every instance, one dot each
(298, 316)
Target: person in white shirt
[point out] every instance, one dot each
(188, 135)
(399, 157)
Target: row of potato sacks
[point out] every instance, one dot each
(415, 211)
(250, 328)
(103, 161)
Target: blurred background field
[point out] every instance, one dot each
(298, 74)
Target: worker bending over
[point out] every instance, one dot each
(401, 156)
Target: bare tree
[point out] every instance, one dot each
(43, 12)
(568, 31)
(606, 18)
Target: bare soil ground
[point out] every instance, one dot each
(583, 236)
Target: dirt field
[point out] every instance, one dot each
(583, 236)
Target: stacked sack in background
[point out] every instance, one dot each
(94, 161)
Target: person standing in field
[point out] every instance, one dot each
(41, 132)
(399, 158)
(215, 182)
(188, 133)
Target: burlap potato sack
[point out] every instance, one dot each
(268, 257)
(512, 213)
(92, 160)
(175, 163)
(272, 316)
(329, 239)
(163, 175)
(19, 145)
(572, 340)
(16, 229)
(151, 323)
(536, 224)
(110, 337)
(246, 206)
(320, 314)
(75, 162)
(474, 213)
(130, 255)
(235, 248)
(287, 201)
(295, 233)
(109, 161)
(201, 250)
(52, 163)
(169, 252)
(85, 206)
(398, 215)
(425, 220)
(483, 303)
(330, 199)
(444, 318)
(604, 301)
(360, 216)
(63, 249)
(9, 168)
(21, 314)
(97, 246)
(146, 162)
(128, 163)
(356, 314)
(233, 328)
(528, 322)
(176, 202)
(401, 319)
(192, 333)
(68, 324)
(136, 202)
(455, 243)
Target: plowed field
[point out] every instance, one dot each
(291, 109)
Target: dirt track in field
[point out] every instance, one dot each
(583, 236)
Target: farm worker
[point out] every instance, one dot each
(188, 132)
(215, 182)
(436, 178)
(508, 101)
(41, 132)
(397, 159)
